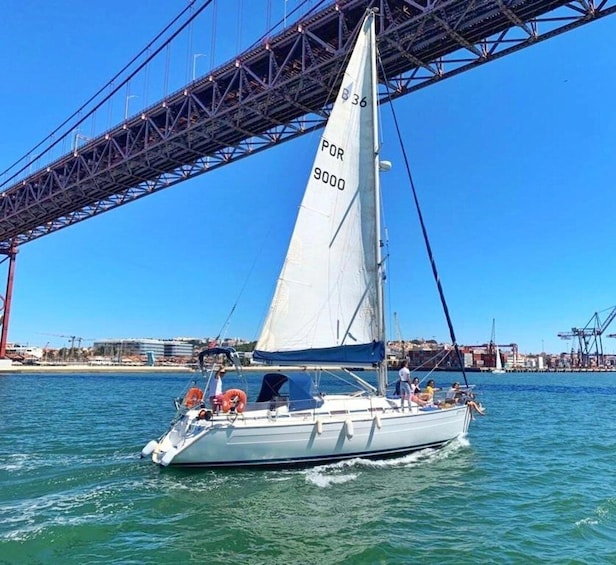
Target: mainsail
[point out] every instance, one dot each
(327, 303)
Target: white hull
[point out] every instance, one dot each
(343, 428)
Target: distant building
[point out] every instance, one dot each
(25, 351)
(160, 348)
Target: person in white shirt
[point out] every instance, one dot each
(405, 384)
(215, 388)
(453, 393)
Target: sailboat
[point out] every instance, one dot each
(326, 314)
(498, 366)
(498, 369)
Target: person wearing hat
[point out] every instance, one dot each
(215, 388)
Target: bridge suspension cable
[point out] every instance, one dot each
(108, 96)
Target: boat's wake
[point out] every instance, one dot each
(322, 477)
(349, 470)
(601, 515)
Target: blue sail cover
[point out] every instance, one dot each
(345, 355)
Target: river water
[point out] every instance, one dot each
(533, 481)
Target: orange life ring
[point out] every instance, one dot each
(193, 397)
(235, 399)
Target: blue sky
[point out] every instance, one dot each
(513, 161)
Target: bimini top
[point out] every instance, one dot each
(228, 352)
(303, 395)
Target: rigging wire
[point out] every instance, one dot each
(108, 84)
(436, 365)
(214, 26)
(227, 321)
(425, 233)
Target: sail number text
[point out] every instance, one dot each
(325, 176)
(355, 100)
(333, 150)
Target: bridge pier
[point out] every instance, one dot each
(11, 255)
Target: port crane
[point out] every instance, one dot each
(398, 332)
(72, 339)
(590, 345)
(611, 335)
(399, 335)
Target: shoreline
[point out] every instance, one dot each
(96, 369)
(85, 368)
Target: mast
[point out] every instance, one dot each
(382, 366)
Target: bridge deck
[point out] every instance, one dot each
(271, 94)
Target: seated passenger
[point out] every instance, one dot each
(453, 393)
(457, 396)
(428, 396)
(416, 395)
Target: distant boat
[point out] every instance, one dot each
(327, 311)
(498, 367)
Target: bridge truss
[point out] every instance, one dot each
(274, 93)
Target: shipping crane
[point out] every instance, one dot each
(72, 339)
(397, 322)
(590, 345)
(399, 334)
(45, 351)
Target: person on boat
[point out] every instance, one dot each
(455, 395)
(405, 384)
(416, 395)
(215, 389)
(428, 395)
(397, 388)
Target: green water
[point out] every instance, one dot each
(532, 482)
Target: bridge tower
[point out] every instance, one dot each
(5, 312)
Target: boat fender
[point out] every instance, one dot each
(349, 428)
(377, 421)
(149, 448)
(168, 457)
(234, 400)
(319, 426)
(193, 397)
